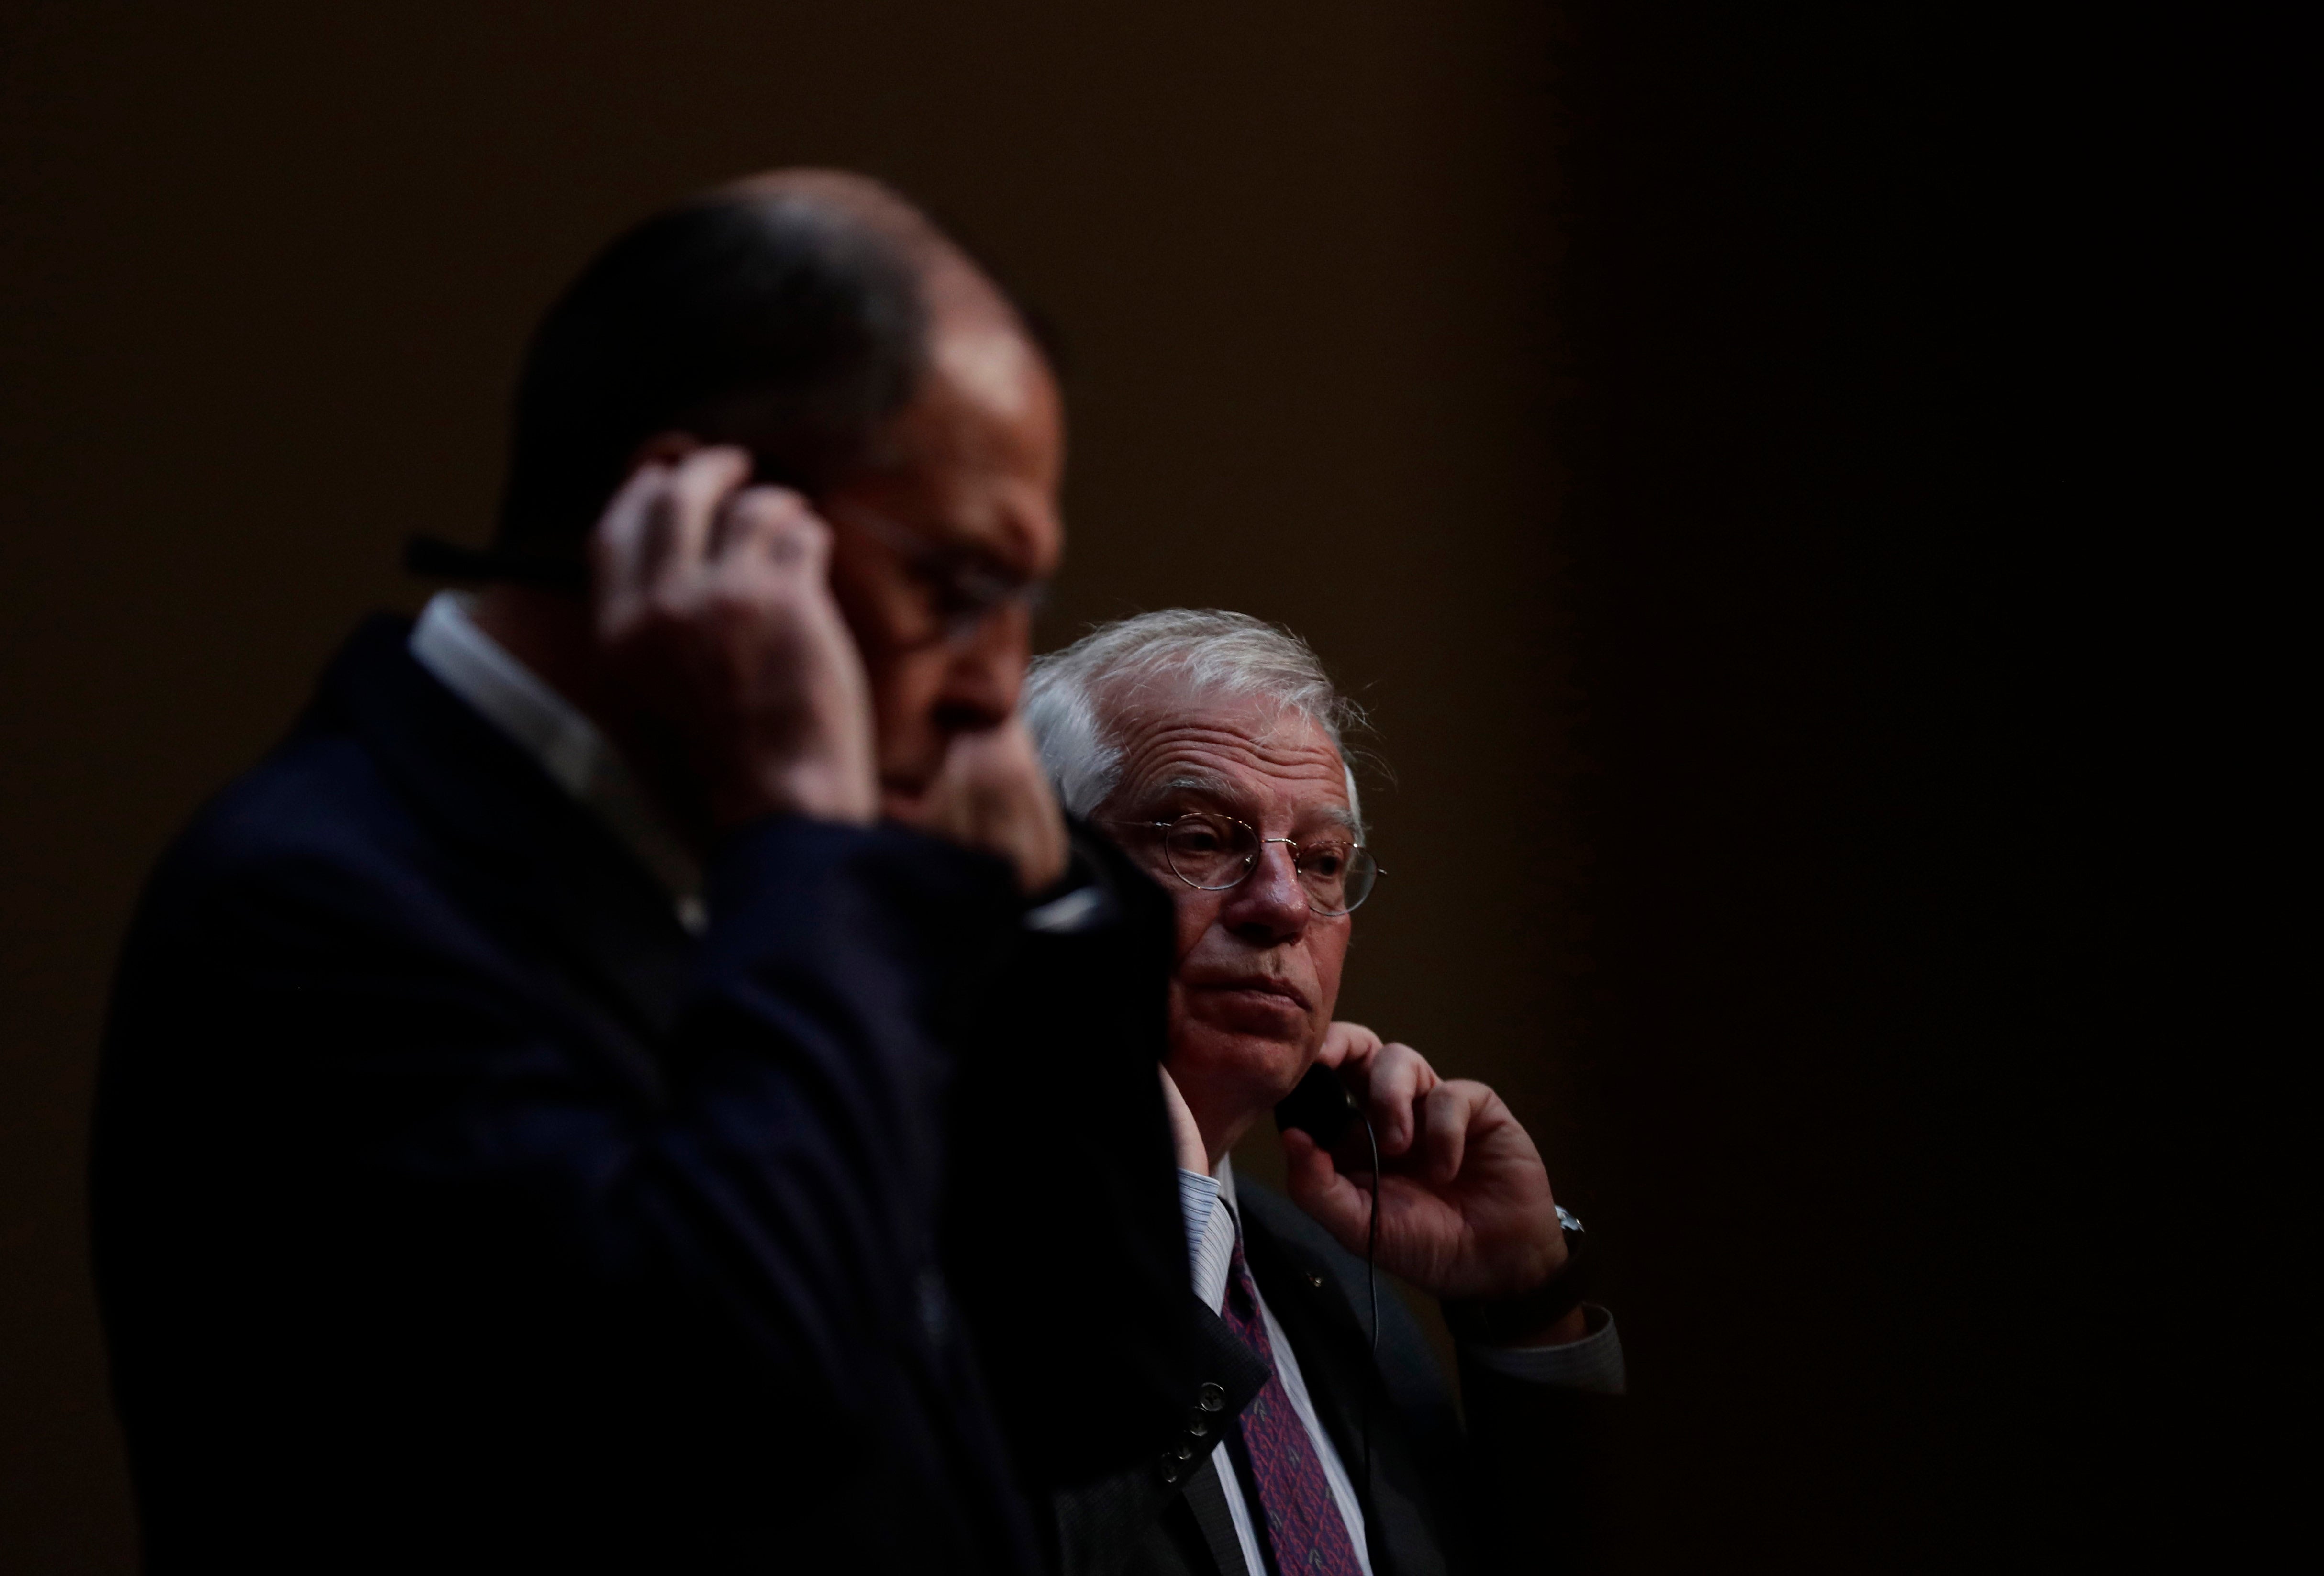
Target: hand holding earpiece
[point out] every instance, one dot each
(717, 624)
(993, 793)
(1464, 1200)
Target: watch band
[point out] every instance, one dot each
(1499, 1321)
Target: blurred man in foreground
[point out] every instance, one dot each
(1210, 743)
(547, 1104)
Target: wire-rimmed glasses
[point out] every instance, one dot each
(1213, 852)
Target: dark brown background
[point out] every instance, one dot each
(1583, 379)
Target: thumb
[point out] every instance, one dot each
(1316, 1186)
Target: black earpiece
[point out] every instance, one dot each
(1321, 1107)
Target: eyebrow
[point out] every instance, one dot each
(931, 553)
(1225, 793)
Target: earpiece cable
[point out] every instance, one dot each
(1372, 1288)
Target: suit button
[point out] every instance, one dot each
(1171, 1471)
(1211, 1396)
(1314, 1281)
(1198, 1423)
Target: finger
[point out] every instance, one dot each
(1446, 1113)
(1424, 1076)
(1400, 1076)
(993, 793)
(1317, 1186)
(1038, 842)
(678, 527)
(764, 525)
(753, 517)
(617, 544)
(1348, 1047)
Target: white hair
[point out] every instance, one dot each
(1074, 698)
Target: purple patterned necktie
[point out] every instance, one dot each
(1302, 1534)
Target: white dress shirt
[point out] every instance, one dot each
(1591, 1363)
(570, 748)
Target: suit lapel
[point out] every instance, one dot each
(1102, 1526)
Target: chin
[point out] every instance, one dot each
(1251, 1071)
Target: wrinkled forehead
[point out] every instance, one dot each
(1247, 754)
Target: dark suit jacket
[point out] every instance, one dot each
(454, 1207)
(1505, 1494)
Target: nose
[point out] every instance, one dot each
(1268, 908)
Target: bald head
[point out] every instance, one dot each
(796, 312)
(843, 199)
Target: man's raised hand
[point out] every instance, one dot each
(715, 620)
(993, 793)
(1465, 1205)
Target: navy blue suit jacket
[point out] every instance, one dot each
(454, 1207)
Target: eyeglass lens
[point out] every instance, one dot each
(1216, 851)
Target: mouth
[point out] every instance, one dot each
(1259, 987)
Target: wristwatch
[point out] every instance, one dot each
(1499, 1321)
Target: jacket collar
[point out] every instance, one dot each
(559, 737)
(518, 841)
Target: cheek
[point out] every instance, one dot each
(904, 687)
(1196, 912)
(1328, 946)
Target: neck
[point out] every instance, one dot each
(550, 632)
(1221, 1135)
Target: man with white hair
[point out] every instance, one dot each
(1212, 745)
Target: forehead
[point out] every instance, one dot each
(1256, 757)
(982, 444)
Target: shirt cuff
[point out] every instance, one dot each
(1594, 1363)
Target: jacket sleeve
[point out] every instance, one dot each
(388, 1207)
(1069, 1251)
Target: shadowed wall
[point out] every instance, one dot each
(1529, 367)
